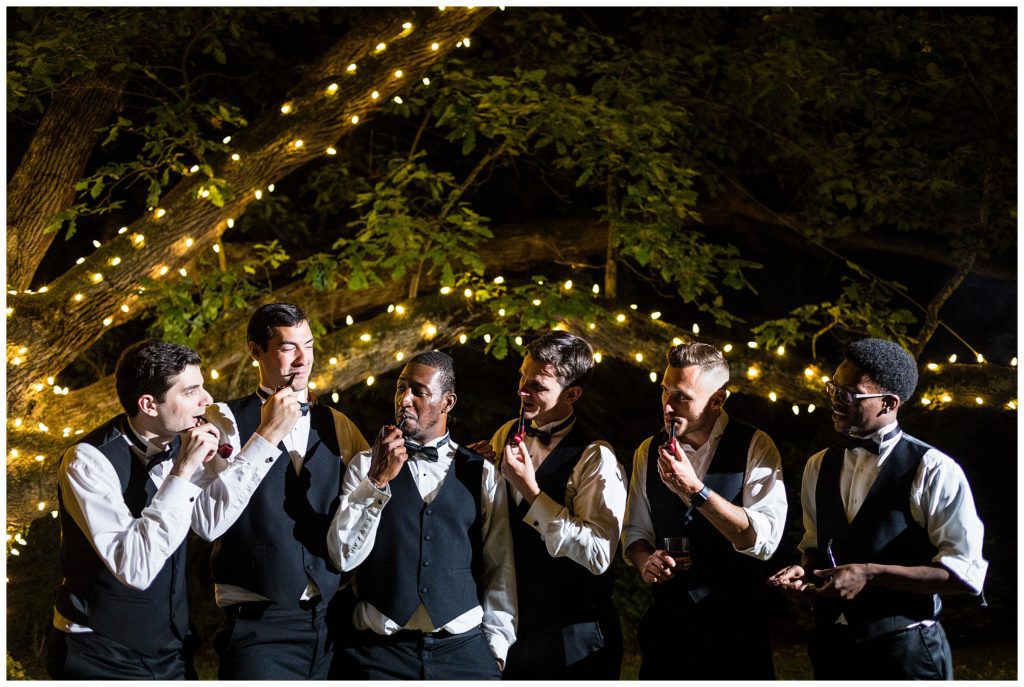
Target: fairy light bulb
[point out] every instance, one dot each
(332, 89)
(159, 212)
(445, 290)
(676, 341)
(183, 272)
(381, 47)
(946, 398)
(1013, 361)
(258, 194)
(351, 69)
(214, 374)
(426, 80)
(431, 331)
(195, 168)
(933, 367)
(355, 119)
(653, 377)
(97, 277)
(96, 244)
(468, 293)
(333, 360)
(298, 143)
(164, 270)
(79, 261)
(400, 309)
(808, 372)
(77, 297)
(952, 358)
(335, 397)
(796, 409)
(216, 248)
(407, 25)
(487, 338)
(567, 285)
(981, 358)
(639, 357)
(434, 46)
(519, 341)
(979, 400)
(656, 315)
(399, 356)
(374, 95)
(398, 99)
(122, 230)
(727, 348)
(751, 344)
(364, 337)
(501, 280)
(331, 151)
(591, 325)
(598, 357)
(348, 320)
(781, 350)
(236, 157)
(227, 139)
(398, 73)
(811, 408)
(286, 108)
(124, 307)
(501, 312)
(753, 372)
(773, 396)
(137, 239)
(107, 321)
(536, 301)
(463, 338)
(620, 318)
(231, 223)
(189, 242)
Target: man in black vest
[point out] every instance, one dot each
(125, 497)
(424, 525)
(718, 483)
(271, 571)
(567, 499)
(889, 523)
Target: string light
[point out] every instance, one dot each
(536, 301)
(501, 312)
(159, 212)
(214, 374)
(753, 372)
(258, 194)
(591, 325)
(952, 358)
(426, 81)
(335, 397)
(620, 318)
(1013, 361)
(597, 357)
(633, 306)
(183, 272)
(364, 337)
(399, 356)
(351, 68)
(400, 309)
(286, 108)
(374, 95)
(107, 321)
(946, 398)
(236, 157)
(122, 230)
(979, 400)
(333, 360)
(811, 408)
(639, 357)
(164, 269)
(933, 367)
(348, 320)
(487, 338)
(519, 341)
(355, 119)
(808, 372)
(97, 277)
(231, 223)
(796, 410)
(430, 331)
(434, 46)
(227, 139)
(216, 248)
(751, 344)
(331, 151)
(462, 338)
(501, 280)
(195, 168)
(656, 315)
(381, 47)
(781, 350)
(332, 89)
(727, 348)
(407, 25)
(137, 239)
(189, 242)
(77, 262)
(981, 359)
(773, 397)
(567, 285)
(696, 328)
(676, 341)
(124, 308)
(298, 143)
(398, 73)
(653, 376)
(96, 243)
(468, 293)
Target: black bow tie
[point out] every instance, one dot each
(427, 452)
(264, 396)
(167, 454)
(544, 437)
(869, 445)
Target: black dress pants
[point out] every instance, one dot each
(91, 656)
(409, 655)
(706, 641)
(261, 640)
(916, 653)
(588, 647)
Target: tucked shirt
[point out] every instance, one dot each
(763, 496)
(133, 549)
(940, 502)
(230, 483)
(354, 531)
(588, 527)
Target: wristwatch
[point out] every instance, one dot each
(701, 497)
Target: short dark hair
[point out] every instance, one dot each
(147, 367)
(702, 355)
(443, 363)
(262, 323)
(888, 364)
(570, 355)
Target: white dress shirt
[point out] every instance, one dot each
(354, 530)
(231, 482)
(133, 549)
(763, 499)
(588, 527)
(940, 502)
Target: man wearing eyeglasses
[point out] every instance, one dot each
(889, 523)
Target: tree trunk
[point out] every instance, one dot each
(44, 183)
(268, 151)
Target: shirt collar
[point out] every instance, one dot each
(886, 437)
(561, 432)
(142, 445)
(302, 395)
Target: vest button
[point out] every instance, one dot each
(426, 564)
(423, 590)
(429, 511)
(426, 537)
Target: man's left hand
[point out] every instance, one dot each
(846, 581)
(517, 467)
(677, 472)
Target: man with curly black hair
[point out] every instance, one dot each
(889, 523)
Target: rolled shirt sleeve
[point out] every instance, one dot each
(764, 496)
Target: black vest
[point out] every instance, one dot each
(717, 566)
(429, 554)
(883, 531)
(549, 587)
(146, 620)
(280, 539)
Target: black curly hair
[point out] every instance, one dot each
(888, 364)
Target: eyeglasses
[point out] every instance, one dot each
(844, 395)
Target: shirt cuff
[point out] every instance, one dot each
(177, 493)
(972, 573)
(257, 451)
(499, 646)
(366, 494)
(544, 510)
(760, 524)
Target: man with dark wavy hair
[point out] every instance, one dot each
(889, 524)
(125, 496)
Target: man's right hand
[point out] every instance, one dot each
(387, 457)
(279, 416)
(658, 567)
(792, 579)
(197, 446)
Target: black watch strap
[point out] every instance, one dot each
(701, 497)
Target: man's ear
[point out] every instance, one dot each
(254, 350)
(572, 394)
(717, 399)
(449, 403)
(890, 404)
(147, 405)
